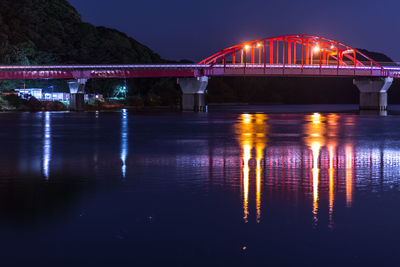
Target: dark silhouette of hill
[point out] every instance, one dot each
(378, 57)
(36, 32)
(51, 32)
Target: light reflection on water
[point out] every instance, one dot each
(315, 139)
(323, 155)
(46, 145)
(124, 140)
(226, 180)
(252, 131)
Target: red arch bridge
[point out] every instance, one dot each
(288, 55)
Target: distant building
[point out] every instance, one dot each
(53, 96)
(29, 92)
(57, 96)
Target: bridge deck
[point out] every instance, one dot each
(183, 70)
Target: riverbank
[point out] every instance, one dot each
(117, 105)
(13, 103)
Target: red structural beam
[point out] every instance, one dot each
(95, 74)
(226, 69)
(314, 50)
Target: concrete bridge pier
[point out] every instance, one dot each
(77, 97)
(193, 89)
(373, 92)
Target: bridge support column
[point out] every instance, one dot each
(373, 92)
(77, 94)
(193, 89)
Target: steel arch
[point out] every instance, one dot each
(297, 49)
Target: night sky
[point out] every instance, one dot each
(195, 29)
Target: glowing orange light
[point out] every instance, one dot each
(246, 118)
(332, 47)
(316, 117)
(349, 175)
(252, 133)
(315, 139)
(258, 45)
(246, 172)
(316, 49)
(260, 151)
(246, 47)
(331, 150)
(315, 147)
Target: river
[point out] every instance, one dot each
(237, 186)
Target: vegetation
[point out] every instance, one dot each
(4, 105)
(52, 32)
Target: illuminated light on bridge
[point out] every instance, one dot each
(317, 49)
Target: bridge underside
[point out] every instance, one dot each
(294, 71)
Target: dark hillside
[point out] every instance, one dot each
(50, 32)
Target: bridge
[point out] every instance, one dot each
(288, 55)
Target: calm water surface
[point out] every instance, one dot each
(238, 186)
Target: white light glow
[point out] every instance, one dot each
(46, 145)
(124, 141)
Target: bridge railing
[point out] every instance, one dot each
(99, 67)
(294, 70)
